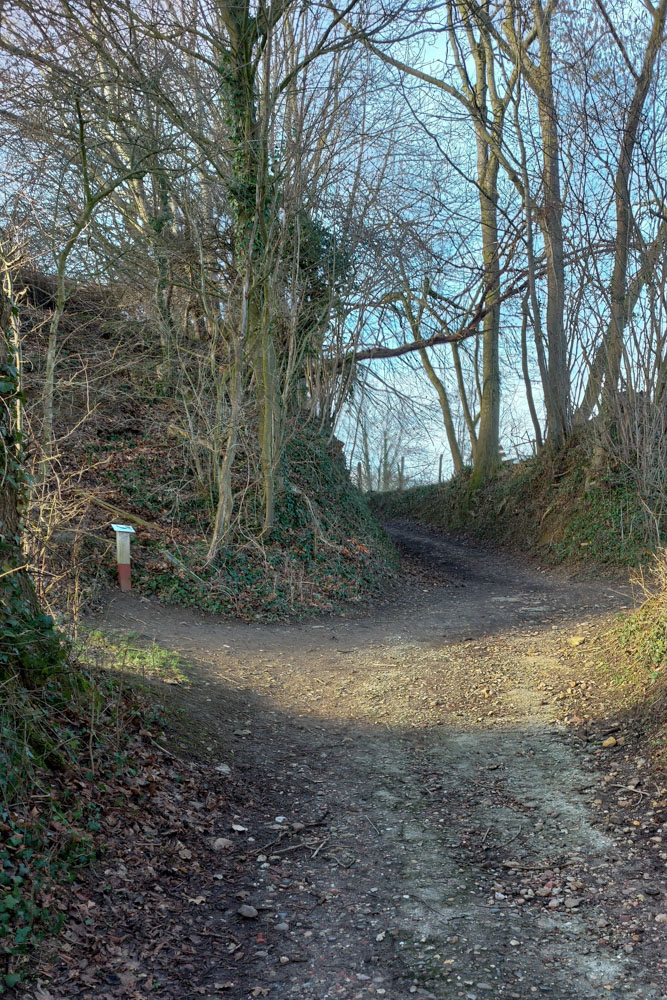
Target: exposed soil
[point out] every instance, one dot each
(421, 819)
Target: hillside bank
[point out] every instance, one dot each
(558, 508)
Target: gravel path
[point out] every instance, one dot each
(420, 820)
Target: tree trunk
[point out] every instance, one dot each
(225, 506)
(46, 437)
(606, 368)
(366, 458)
(557, 386)
(470, 421)
(29, 646)
(526, 376)
(445, 408)
(487, 454)
(489, 121)
(269, 404)
(634, 289)
(248, 192)
(624, 219)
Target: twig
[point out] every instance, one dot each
(294, 847)
(14, 569)
(92, 733)
(340, 863)
(637, 791)
(113, 509)
(283, 833)
(317, 822)
(164, 750)
(182, 566)
(278, 840)
(525, 868)
(379, 833)
(317, 851)
(429, 906)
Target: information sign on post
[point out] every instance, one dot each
(123, 534)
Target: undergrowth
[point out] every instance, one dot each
(642, 635)
(326, 548)
(634, 664)
(145, 451)
(550, 506)
(65, 749)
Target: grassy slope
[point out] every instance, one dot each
(543, 506)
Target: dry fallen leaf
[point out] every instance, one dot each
(221, 843)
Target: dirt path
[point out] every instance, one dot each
(420, 822)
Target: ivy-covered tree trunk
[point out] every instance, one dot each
(29, 645)
(248, 192)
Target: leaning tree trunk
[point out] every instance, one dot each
(530, 399)
(447, 419)
(624, 219)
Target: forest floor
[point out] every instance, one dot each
(410, 801)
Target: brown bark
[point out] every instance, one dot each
(28, 644)
(605, 371)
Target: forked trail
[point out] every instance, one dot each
(419, 819)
